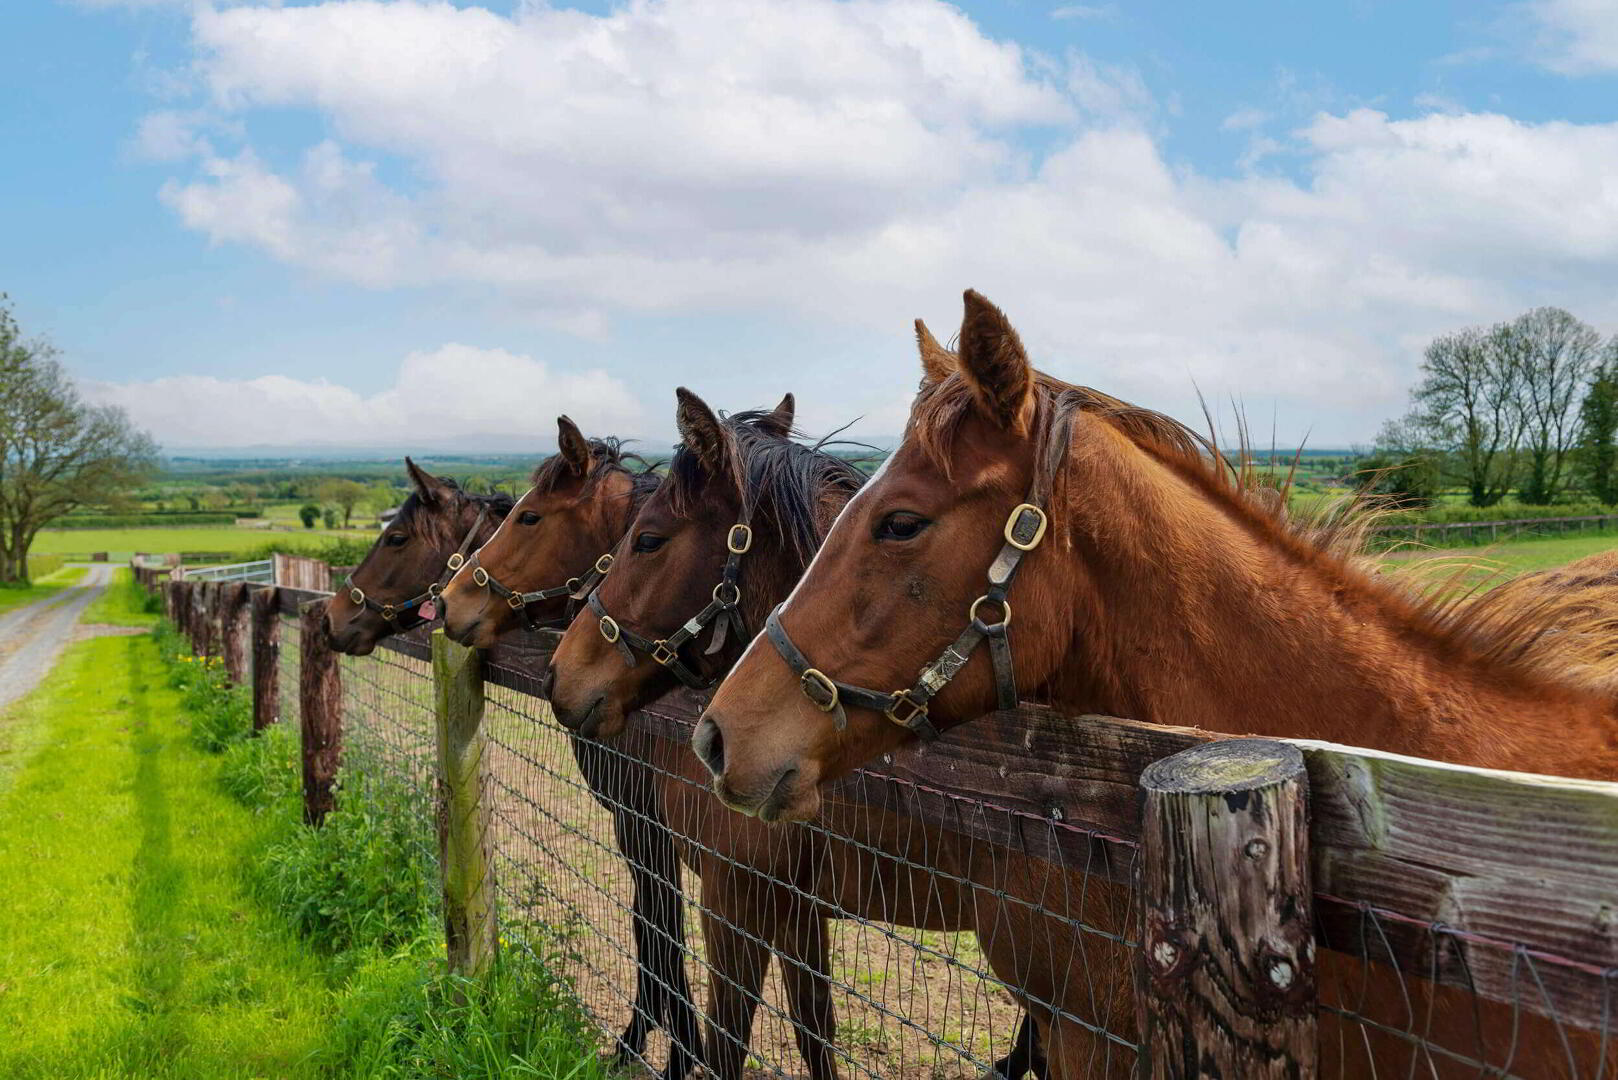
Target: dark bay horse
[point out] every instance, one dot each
(736, 520)
(394, 586)
(587, 493)
(1152, 585)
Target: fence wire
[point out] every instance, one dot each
(879, 943)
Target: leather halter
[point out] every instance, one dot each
(1024, 529)
(574, 588)
(391, 612)
(723, 611)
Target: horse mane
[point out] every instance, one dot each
(1559, 628)
(792, 478)
(441, 529)
(607, 455)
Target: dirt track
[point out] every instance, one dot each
(32, 636)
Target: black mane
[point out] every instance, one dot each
(606, 456)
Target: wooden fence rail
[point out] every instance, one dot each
(1507, 864)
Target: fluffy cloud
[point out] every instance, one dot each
(1576, 37)
(859, 162)
(456, 395)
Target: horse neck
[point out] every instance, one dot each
(1202, 612)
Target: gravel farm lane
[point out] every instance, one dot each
(31, 637)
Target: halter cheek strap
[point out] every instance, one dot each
(392, 612)
(574, 588)
(723, 613)
(1023, 531)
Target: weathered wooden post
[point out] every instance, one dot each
(320, 708)
(1228, 956)
(465, 860)
(193, 616)
(266, 619)
(232, 612)
(207, 619)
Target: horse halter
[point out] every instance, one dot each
(1024, 529)
(391, 612)
(574, 588)
(723, 611)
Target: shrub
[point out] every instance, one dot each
(263, 773)
(220, 715)
(309, 513)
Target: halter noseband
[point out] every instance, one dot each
(1024, 529)
(722, 611)
(574, 588)
(391, 612)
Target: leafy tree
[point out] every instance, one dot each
(309, 513)
(57, 452)
(1553, 354)
(330, 514)
(344, 493)
(1468, 403)
(1598, 431)
(1403, 482)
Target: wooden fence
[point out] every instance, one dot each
(1444, 533)
(1261, 868)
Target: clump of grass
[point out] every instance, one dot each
(262, 773)
(519, 1021)
(220, 715)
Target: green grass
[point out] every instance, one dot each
(120, 544)
(124, 603)
(12, 596)
(136, 939)
(1502, 562)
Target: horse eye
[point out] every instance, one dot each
(649, 541)
(528, 517)
(396, 539)
(901, 525)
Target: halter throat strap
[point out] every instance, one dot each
(723, 612)
(392, 612)
(908, 707)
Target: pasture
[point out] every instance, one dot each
(121, 544)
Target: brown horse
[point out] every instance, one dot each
(1159, 589)
(741, 496)
(394, 587)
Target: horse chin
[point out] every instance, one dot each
(790, 795)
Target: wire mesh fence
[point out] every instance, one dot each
(883, 940)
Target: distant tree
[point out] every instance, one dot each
(346, 494)
(215, 499)
(309, 513)
(1553, 354)
(1402, 482)
(330, 514)
(1597, 457)
(57, 452)
(1468, 401)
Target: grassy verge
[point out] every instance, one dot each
(16, 596)
(120, 544)
(167, 915)
(1502, 562)
(125, 603)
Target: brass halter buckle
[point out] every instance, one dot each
(905, 709)
(456, 561)
(609, 629)
(735, 594)
(663, 654)
(604, 564)
(356, 595)
(816, 685)
(1025, 526)
(739, 546)
(388, 613)
(1003, 605)
(515, 602)
(481, 576)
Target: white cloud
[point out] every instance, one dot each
(1575, 37)
(454, 395)
(859, 162)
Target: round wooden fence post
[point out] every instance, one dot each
(465, 860)
(320, 708)
(232, 611)
(266, 620)
(1228, 956)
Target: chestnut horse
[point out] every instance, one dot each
(745, 508)
(1153, 586)
(394, 587)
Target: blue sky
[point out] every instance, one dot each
(399, 224)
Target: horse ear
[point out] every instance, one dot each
(573, 445)
(428, 486)
(936, 361)
(994, 364)
(701, 431)
(779, 422)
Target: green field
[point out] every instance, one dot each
(49, 585)
(120, 544)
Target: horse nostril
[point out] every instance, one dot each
(547, 682)
(709, 743)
